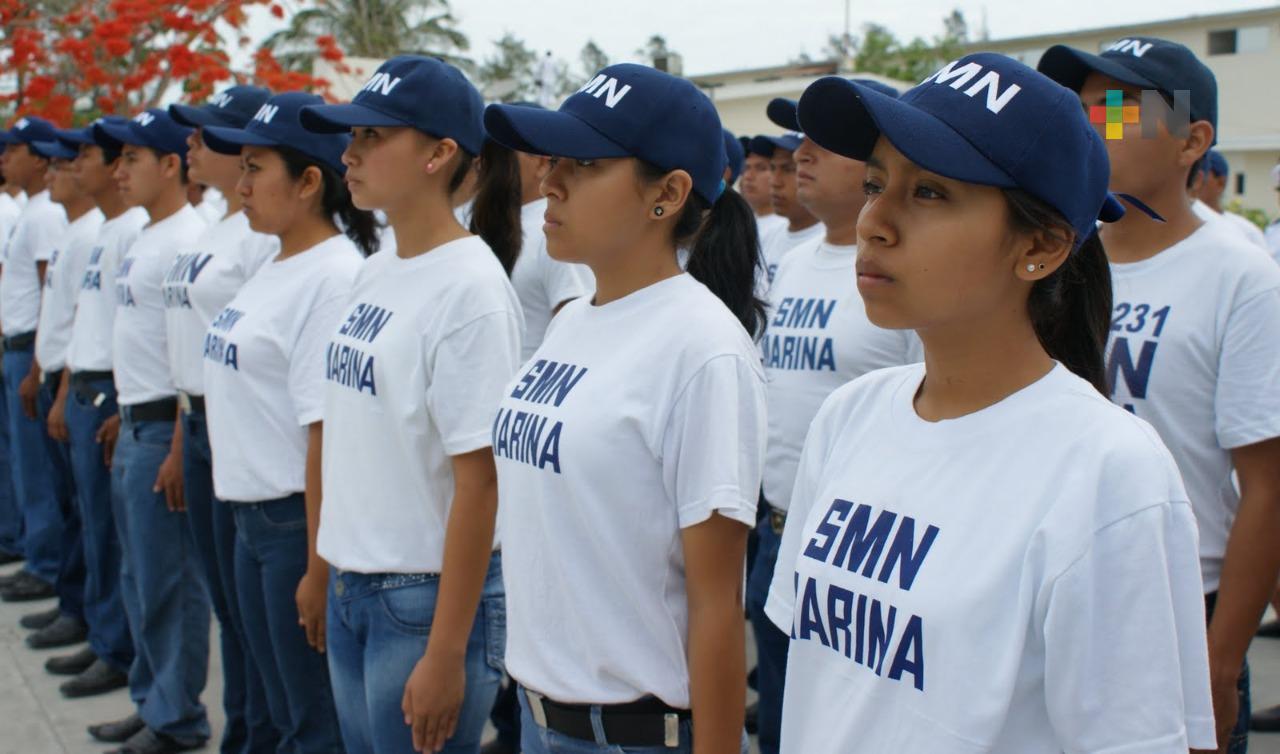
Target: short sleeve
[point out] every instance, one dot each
(1246, 402)
(469, 368)
(306, 362)
(713, 443)
(780, 604)
(1126, 658)
(43, 237)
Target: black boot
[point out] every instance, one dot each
(98, 679)
(27, 588)
(1266, 720)
(72, 664)
(63, 632)
(37, 621)
(117, 731)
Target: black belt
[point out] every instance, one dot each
(647, 722)
(23, 341)
(52, 380)
(163, 410)
(191, 404)
(82, 384)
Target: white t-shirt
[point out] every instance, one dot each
(633, 420)
(1195, 350)
(1020, 580)
(541, 282)
(10, 211)
(139, 341)
(62, 280)
(817, 338)
(1273, 240)
(769, 224)
(39, 229)
(463, 212)
(264, 370)
(95, 316)
(1242, 227)
(212, 206)
(414, 371)
(201, 281)
(776, 245)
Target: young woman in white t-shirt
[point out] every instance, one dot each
(982, 553)
(630, 446)
(264, 389)
(414, 369)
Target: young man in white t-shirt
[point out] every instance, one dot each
(41, 224)
(167, 605)
(817, 338)
(754, 184)
(801, 224)
(1195, 344)
(12, 199)
(1209, 194)
(85, 401)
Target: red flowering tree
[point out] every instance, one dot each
(121, 56)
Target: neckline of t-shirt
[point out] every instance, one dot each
(1163, 257)
(184, 211)
(336, 241)
(85, 219)
(436, 255)
(920, 432)
(638, 299)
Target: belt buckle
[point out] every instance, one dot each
(671, 730)
(536, 709)
(777, 521)
(184, 402)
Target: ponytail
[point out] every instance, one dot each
(1070, 309)
(495, 212)
(724, 250)
(359, 225)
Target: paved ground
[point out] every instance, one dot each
(35, 719)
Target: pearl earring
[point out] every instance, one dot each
(658, 211)
(1031, 268)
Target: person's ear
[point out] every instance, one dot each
(1198, 141)
(440, 155)
(311, 184)
(1042, 253)
(170, 165)
(667, 196)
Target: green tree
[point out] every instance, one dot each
(593, 59)
(508, 75)
(371, 29)
(879, 51)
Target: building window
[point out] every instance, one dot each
(1239, 184)
(1243, 40)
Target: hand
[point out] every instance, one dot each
(1226, 704)
(28, 392)
(107, 435)
(169, 481)
(58, 421)
(432, 700)
(312, 597)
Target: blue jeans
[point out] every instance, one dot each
(771, 642)
(271, 558)
(71, 571)
(10, 514)
(166, 603)
(248, 728)
(32, 476)
(109, 636)
(377, 627)
(1240, 732)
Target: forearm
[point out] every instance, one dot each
(717, 673)
(468, 547)
(1248, 581)
(313, 495)
(175, 445)
(64, 386)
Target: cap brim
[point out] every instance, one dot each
(192, 116)
(782, 112)
(848, 118)
(53, 150)
(76, 139)
(334, 119)
(114, 135)
(225, 140)
(1070, 67)
(548, 132)
(783, 142)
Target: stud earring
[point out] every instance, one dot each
(659, 211)
(1042, 266)
(431, 166)
(1031, 268)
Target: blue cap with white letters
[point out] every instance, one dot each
(734, 154)
(30, 129)
(153, 128)
(414, 91)
(278, 123)
(233, 107)
(626, 110)
(782, 111)
(54, 149)
(984, 119)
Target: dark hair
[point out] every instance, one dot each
(1070, 309)
(724, 249)
(358, 224)
(109, 154)
(495, 211)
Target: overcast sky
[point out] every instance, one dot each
(719, 35)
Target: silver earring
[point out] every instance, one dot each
(658, 211)
(1031, 268)
(1042, 266)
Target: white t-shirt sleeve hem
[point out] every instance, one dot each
(1258, 432)
(727, 501)
(467, 443)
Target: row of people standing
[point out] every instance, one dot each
(367, 443)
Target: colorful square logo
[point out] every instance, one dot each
(1115, 114)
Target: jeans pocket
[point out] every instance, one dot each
(410, 608)
(494, 611)
(285, 515)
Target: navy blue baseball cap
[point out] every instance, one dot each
(278, 123)
(153, 128)
(30, 129)
(626, 110)
(1215, 163)
(767, 145)
(984, 119)
(1145, 62)
(734, 155)
(410, 91)
(75, 137)
(54, 150)
(233, 107)
(782, 111)
(759, 146)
